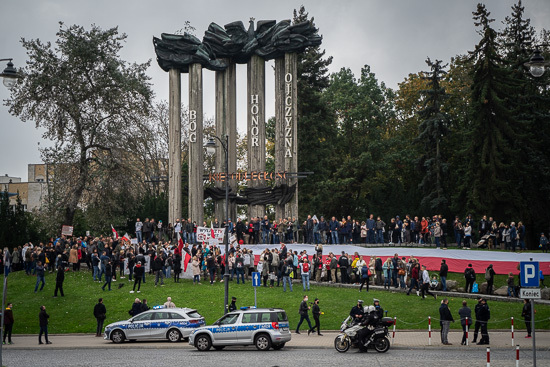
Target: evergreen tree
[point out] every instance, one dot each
(492, 155)
(432, 130)
(316, 128)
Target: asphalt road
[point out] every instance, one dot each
(249, 357)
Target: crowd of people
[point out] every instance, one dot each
(465, 233)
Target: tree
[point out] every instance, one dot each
(432, 131)
(492, 158)
(84, 96)
(316, 128)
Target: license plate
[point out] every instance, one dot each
(284, 329)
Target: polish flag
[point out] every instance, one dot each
(126, 237)
(115, 233)
(186, 261)
(212, 230)
(180, 243)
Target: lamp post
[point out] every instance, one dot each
(211, 149)
(536, 63)
(9, 74)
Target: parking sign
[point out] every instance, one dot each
(529, 273)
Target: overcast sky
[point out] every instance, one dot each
(394, 37)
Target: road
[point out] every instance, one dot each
(250, 357)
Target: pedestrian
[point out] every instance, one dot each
(136, 308)
(316, 311)
(465, 314)
(39, 276)
(8, 323)
(169, 303)
(100, 314)
(415, 275)
(304, 314)
(476, 313)
(287, 270)
(43, 321)
(426, 283)
(108, 275)
(157, 268)
(144, 305)
(511, 286)
(59, 279)
(490, 278)
(525, 313)
(304, 271)
(470, 276)
(443, 271)
(365, 273)
(138, 274)
(445, 319)
(232, 307)
(483, 317)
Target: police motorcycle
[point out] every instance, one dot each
(372, 335)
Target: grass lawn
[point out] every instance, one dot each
(74, 312)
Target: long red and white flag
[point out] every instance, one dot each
(212, 233)
(115, 233)
(180, 243)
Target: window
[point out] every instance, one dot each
(228, 319)
(250, 318)
(143, 317)
(266, 317)
(281, 316)
(194, 315)
(176, 316)
(162, 315)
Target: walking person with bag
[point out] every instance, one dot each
(304, 314)
(100, 312)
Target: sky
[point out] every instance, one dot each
(393, 37)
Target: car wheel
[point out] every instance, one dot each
(262, 342)
(173, 335)
(117, 336)
(203, 342)
(279, 346)
(219, 347)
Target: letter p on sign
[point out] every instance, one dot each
(529, 273)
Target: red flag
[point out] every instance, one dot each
(180, 243)
(212, 230)
(186, 261)
(126, 237)
(115, 233)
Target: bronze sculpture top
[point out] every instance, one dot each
(270, 40)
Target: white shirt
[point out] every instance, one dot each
(425, 276)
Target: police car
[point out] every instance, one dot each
(263, 327)
(162, 323)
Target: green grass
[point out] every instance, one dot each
(74, 312)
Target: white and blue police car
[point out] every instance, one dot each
(173, 324)
(263, 327)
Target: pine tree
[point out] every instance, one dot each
(432, 130)
(492, 155)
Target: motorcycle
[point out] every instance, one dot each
(377, 338)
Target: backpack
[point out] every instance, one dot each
(305, 267)
(365, 272)
(470, 275)
(488, 274)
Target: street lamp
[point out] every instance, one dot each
(9, 74)
(211, 149)
(536, 63)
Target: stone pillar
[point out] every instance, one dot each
(174, 146)
(256, 125)
(291, 127)
(279, 127)
(226, 124)
(196, 150)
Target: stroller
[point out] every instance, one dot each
(434, 281)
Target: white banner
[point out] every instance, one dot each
(204, 234)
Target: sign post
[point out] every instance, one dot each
(529, 277)
(256, 282)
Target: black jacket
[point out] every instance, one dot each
(526, 312)
(443, 270)
(43, 318)
(484, 313)
(445, 313)
(315, 310)
(100, 310)
(303, 308)
(60, 276)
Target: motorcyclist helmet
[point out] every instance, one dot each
(369, 309)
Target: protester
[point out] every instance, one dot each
(59, 279)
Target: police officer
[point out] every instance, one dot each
(370, 318)
(379, 310)
(232, 307)
(357, 312)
